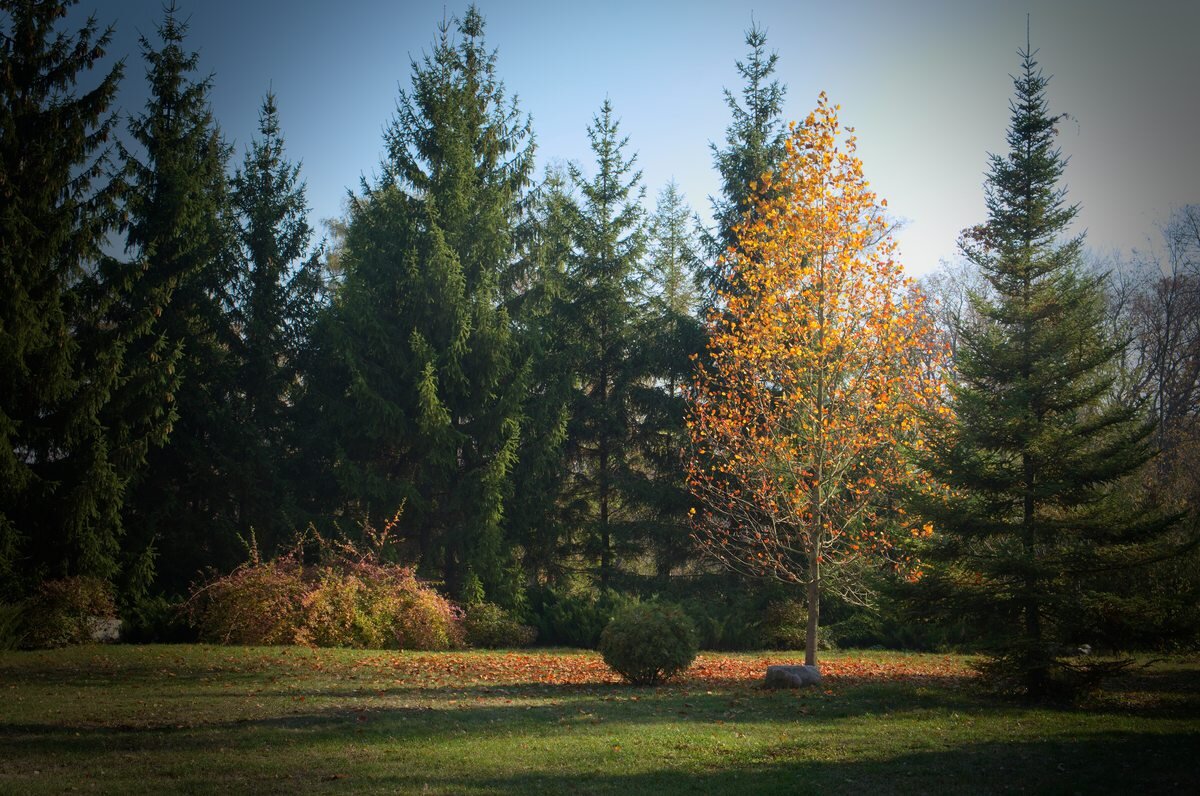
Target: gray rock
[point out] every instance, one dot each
(105, 630)
(791, 676)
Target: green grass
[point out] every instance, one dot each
(201, 719)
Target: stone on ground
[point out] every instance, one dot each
(781, 676)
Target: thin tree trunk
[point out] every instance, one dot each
(814, 553)
(814, 615)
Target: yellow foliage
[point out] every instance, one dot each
(823, 361)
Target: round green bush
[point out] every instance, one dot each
(649, 642)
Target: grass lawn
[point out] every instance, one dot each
(125, 719)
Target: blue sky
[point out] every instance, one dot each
(926, 84)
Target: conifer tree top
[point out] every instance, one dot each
(1028, 213)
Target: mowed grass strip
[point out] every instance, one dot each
(202, 719)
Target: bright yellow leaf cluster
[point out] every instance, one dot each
(822, 360)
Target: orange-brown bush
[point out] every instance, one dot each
(350, 599)
(260, 602)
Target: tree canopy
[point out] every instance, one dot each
(821, 364)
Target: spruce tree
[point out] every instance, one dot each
(753, 147)
(426, 386)
(182, 232)
(542, 313)
(602, 287)
(673, 256)
(671, 334)
(1030, 463)
(275, 305)
(64, 467)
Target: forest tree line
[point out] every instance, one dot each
(495, 358)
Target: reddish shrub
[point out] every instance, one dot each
(350, 599)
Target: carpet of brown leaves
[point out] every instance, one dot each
(588, 669)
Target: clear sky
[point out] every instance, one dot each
(925, 83)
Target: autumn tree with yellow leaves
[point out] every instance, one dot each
(819, 370)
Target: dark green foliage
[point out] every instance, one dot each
(727, 620)
(649, 642)
(182, 231)
(487, 625)
(752, 619)
(785, 625)
(1138, 619)
(422, 382)
(727, 611)
(858, 631)
(670, 335)
(753, 147)
(64, 611)
(574, 618)
(1037, 450)
(65, 349)
(157, 620)
(12, 626)
(904, 620)
(275, 306)
(601, 287)
(541, 311)
(1071, 678)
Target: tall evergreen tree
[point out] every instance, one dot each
(602, 286)
(671, 334)
(753, 147)
(275, 306)
(425, 394)
(182, 231)
(542, 313)
(63, 468)
(1030, 461)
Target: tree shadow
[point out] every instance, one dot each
(430, 713)
(1104, 763)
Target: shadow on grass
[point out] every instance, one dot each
(1177, 680)
(430, 714)
(129, 665)
(1109, 762)
(433, 714)
(1103, 763)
